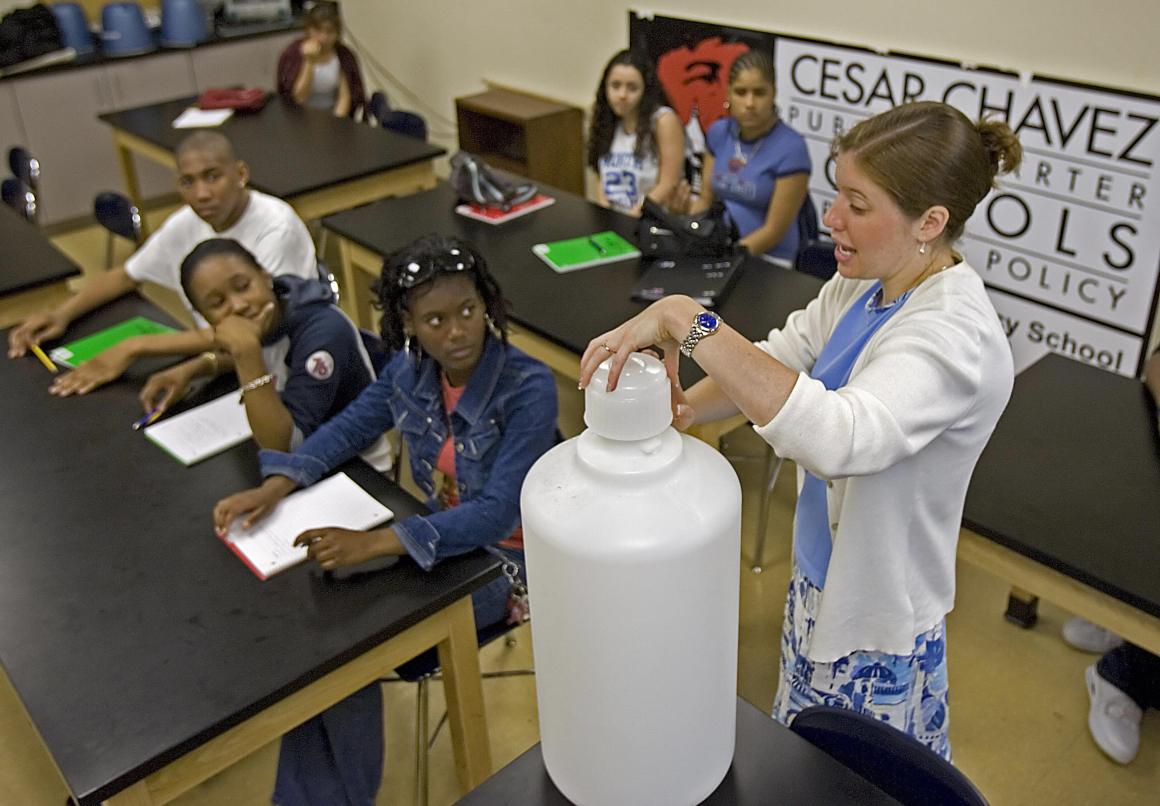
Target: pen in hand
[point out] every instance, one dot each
(148, 419)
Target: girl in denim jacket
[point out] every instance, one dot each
(476, 413)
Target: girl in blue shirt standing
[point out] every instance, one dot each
(475, 413)
(756, 164)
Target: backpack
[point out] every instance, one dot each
(26, 33)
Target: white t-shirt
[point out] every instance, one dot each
(324, 85)
(268, 227)
(625, 177)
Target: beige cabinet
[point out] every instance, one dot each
(250, 63)
(54, 114)
(59, 111)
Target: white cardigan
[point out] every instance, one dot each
(898, 444)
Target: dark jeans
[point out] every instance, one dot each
(336, 758)
(1134, 671)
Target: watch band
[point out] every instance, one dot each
(704, 324)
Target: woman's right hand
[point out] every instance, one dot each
(251, 505)
(310, 49)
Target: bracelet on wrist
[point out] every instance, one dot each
(257, 383)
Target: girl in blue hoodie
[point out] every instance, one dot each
(299, 360)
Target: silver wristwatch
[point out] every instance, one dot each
(705, 324)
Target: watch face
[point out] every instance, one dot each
(707, 320)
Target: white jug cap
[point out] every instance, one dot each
(639, 408)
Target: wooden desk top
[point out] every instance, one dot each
(771, 764)
(567, 309)
(290, 150)
(28, 259)
(131, 633)
(1071, 479)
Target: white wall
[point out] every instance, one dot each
(443, 48)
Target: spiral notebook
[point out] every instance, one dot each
(268, 547)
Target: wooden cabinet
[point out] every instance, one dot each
(530, 136)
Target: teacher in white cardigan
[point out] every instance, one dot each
(883, 390)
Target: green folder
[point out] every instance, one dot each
(75, 353)
(581, 253)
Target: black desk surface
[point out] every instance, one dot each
(290, 150)
(568, 309)
(771, 764)
(28, 259)
(130, 632)
(1071, 478)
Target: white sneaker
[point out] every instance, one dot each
(1082, 634)
(1113, 719)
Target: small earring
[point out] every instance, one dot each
(727, 106)
(493, 327)
(406, 342)
(922, 247)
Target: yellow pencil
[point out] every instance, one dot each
(39, 353)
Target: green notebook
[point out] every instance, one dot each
(77, 352)
(581, 253)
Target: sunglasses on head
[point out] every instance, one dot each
(454, 260)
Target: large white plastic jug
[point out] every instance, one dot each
(632, 533)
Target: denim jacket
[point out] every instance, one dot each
(504, 422)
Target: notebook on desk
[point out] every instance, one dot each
(268, 547)
(705, 279)
(77, 352)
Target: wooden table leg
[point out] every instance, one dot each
(462, 685)
(136, 795)
(356, 277)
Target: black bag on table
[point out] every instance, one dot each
(26, 33)
(663, 234)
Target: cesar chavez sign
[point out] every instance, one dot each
(1069, 246)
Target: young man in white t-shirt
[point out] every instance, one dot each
(212, 182)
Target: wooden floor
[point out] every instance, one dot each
(1018, 705)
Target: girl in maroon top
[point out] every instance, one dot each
(318, 70)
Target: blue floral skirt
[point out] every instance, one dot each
(906, 691)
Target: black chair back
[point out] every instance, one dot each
(896, 763)
(377, 108)
(406, 123)
(24, 167)
(118, 215)
(16, 196)
(815, 255)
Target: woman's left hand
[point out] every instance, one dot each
(661, 325)
(332, 547)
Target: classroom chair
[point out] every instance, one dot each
(406, 123)
(815, 254)
(424, 668)
(773, 464)
(16, 196)
(119, 216)
(898, 764)
(816, 258)
(376, 108)
(24, 167)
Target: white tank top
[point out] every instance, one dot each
(324, 89)
(625, 177)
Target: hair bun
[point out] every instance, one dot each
(1003, 148)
